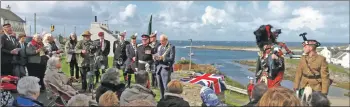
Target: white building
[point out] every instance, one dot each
(17, 23)
(97, 27)
(345, 60)
(341, 58)
(326, 52)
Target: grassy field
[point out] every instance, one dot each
(332, 67)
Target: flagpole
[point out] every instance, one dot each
(190, 55)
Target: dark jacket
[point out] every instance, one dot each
(21, 57)
(106, 51)
(21, 101)
(172, 100)
(104, 87)
(119, 50)
(7, 47)
(130, 53)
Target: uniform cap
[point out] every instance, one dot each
(145, 36)
(311, 42)
(153, 34)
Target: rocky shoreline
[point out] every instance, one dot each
(340, 79)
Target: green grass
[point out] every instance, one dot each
(229, 81)
(235, 99)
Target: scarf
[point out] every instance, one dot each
(36, 44)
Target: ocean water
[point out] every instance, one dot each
(225, 58)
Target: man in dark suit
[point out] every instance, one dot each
(105, 49)
(130, 62)
(119, 50)
(165, 58)
(8, 50)
(154, 44)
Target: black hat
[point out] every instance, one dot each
(6, 24)
(145, 36)
(312, 42)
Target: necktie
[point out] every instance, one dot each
(162, 50)
(101, 44)
(22, 45)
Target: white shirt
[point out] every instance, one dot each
(10, 38)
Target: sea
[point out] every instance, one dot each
(223, 59)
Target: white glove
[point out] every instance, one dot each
(136, 69)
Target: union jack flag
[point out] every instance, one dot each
(214, 81)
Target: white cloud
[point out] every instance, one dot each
(307, 17)
(214, 16)
(129, 11)
(184, 5)
(230, 6)
(255, 5)
(277, 7)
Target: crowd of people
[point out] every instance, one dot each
(38, 66)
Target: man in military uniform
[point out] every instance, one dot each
(84, 58)
(144, 54)
(119, 47)
(312, 70)
(154, 44)
(130, 62)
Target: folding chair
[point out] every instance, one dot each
(65, 97)
(56, 96)
(48, 90)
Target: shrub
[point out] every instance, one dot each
(184, 62)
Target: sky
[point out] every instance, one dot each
(325, 21)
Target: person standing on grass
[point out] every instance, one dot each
(130, 62)
(84, 58)
(165, 59)
(71, 56)
(105, 48)
(154, 44)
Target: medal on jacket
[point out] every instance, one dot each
(147, 51)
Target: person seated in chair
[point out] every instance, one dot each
(55, 76)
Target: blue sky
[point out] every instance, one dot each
(326, 21)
